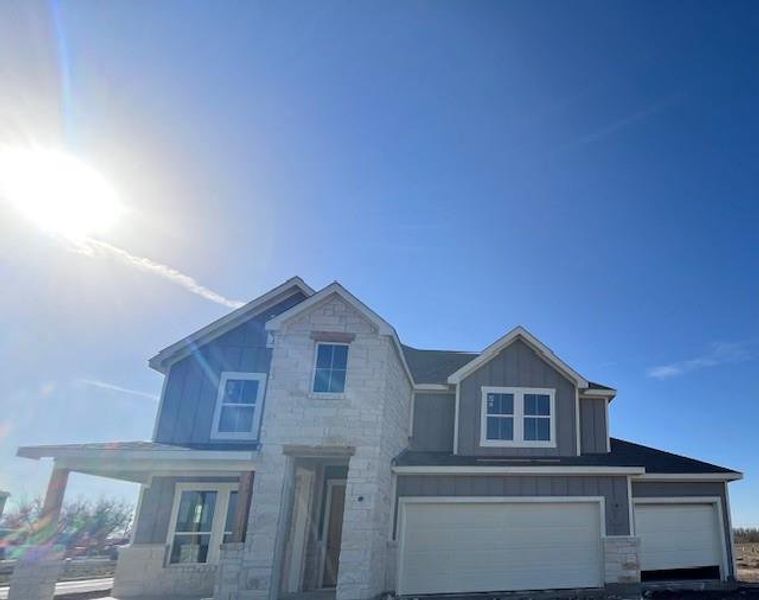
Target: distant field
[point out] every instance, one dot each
(747, 558)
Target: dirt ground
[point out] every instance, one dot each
(747, 559)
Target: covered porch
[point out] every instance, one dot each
(191, 501)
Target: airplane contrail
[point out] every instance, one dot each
(142, 263)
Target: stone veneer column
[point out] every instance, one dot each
(364, 541)
(253, 574)
(35, 575)
(37, 571)
(622, 562)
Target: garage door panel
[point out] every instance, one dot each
(492, 546)
(678, 536)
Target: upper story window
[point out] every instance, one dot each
(514, 417)
(330, 368)
(238, 405)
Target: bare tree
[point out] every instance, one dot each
(83, 524)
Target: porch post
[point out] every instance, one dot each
(36, 572)
(245, 495)
(51, 507)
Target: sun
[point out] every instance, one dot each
(58, 192)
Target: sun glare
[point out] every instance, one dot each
(58, 192)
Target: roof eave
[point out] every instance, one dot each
(164, 358)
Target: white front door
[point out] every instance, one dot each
(488, 545)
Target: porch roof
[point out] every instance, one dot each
(139, 461)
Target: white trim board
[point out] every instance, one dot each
(518, 333)
(178, 350)
(515, 470)
(716, 501)
(689, 477)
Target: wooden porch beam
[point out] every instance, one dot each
(244, 497)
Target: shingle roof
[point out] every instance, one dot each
(434, 366)
(623, 454)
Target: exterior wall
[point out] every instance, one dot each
(189, 396)
(433, 422)
(674, 489)
(612, 488)
(593, 427)
(517, 365)
(140, 573)
(371, 418)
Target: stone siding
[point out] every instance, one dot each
(621, 560)
(140, 571)
(370, 419)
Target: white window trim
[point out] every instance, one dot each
(335, 395)
(518, 441)
(223, 491)
(238, 435)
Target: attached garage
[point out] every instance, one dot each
(681, 538)
(457, 545)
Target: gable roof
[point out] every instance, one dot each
(518, 333)
(178, 350)
(335, 288)
(434, 366)
(623, 454)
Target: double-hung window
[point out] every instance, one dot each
(202, 518)
(330, 368)
(238, 405)
(514, 417)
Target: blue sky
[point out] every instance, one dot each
(585, 169)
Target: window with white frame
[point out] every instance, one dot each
(330, 368)
(203, 517)
(238, 405)
(518, 417)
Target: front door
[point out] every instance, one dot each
(333, 531)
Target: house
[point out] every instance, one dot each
(300, 446)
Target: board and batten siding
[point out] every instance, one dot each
(152, 523)
(433, 422)
(612, 488)
(517, 365)
(190, 394)
(593, 426)
(685, 489)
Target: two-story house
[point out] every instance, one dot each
(300, 446)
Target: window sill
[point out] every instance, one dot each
(513, 444)
(326, 396)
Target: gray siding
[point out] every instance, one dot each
(190, 393)
(613, 489)
(674, 489)
(152, 525)
(519, 366)
(433, 422)
(593, 427)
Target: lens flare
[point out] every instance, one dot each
(58, 192)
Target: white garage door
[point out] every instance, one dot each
(483, 546)
(678, 536)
